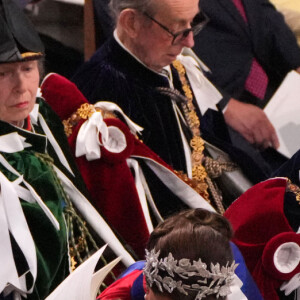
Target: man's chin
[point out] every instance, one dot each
(166, 62)
(172, 57)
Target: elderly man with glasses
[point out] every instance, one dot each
(148, 69)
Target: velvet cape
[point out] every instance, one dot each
(51, 244)
(110, 180)
(112, 74)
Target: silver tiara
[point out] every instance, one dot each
(220, 278)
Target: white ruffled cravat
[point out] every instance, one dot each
(207, 96)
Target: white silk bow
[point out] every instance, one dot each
(110, 106)
(113, 139)
(207, 96)
(88, 144)
(12, 142)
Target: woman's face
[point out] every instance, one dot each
(19, 82)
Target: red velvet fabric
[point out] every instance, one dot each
(268, 254)
(112, 187)
(109, 179)
(260, 227)
(62, 95)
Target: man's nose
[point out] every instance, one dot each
(188, 41)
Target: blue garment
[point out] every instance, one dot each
(249, 287)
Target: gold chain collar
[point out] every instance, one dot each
(290, 187)
(197, 144)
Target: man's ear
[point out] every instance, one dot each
(129, 22)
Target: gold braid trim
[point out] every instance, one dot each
(216, 195)
(193, 183)
(199, 172)
(84, 112)
(80, 239)
(290, 187)
(215, 167)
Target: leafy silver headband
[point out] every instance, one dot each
(217, 280)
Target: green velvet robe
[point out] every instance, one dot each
(51, 244)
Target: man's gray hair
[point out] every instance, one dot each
(116, 6)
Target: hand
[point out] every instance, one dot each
(252, 123)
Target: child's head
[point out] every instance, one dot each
(174, 251)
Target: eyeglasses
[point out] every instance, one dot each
(198, 23)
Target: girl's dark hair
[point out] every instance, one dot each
(193, 234)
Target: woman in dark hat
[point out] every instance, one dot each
(38, 178)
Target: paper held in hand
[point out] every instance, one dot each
(283, 110)
(83, 283)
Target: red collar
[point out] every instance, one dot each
(28, 124)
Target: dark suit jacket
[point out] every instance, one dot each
(228, 44)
